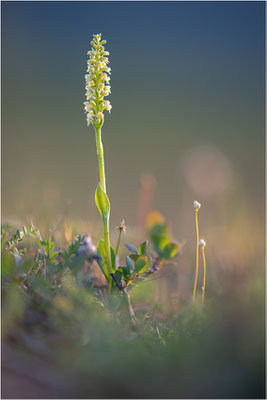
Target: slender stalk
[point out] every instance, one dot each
(101, 165)
(131, 311)
(100, 156)
(107, 244)
(118, 242)
(197, 253)
(204, 277)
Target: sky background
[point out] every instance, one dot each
(187, 96)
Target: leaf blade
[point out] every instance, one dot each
(142, 264)
(142, 248)
(131, 247)
(102, 202)
(170, 250)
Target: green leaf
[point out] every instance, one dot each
(118, 275)
(131, 247)
(44, 243)
(53, 254)
(142, 247)
(142, 264)
(159, 237)
(158, 232)
(102, 202)
(170, 250)
(50, 246)
(102, 263)
(113, 259)
(134, 257)
(101, 249)
(125, 272)
(130, 264)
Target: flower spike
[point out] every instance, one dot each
(97, 83)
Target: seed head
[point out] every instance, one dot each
(202, 243)
(122, 226)
(196, 205)
(97, 83)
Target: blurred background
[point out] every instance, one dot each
(188, 109)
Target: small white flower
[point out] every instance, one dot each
(99, 116)
(89, 119)
(89, 113)
(106, 78)
(92, 92)
(106, 90)
(196, 205)
(87, 105)
(107, 105)
(202, 243)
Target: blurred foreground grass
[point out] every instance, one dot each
(62, 339)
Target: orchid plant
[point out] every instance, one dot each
(97, 88)
(139, 262)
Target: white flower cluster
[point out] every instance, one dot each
(97, 82)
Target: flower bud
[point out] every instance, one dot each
(196, 205)
(202, 243)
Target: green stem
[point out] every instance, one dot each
(100, 156)
(204, 278)
(107, 244)
(118, 243)
(101, 165)
(197, 252)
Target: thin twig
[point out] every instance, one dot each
(118, 243)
